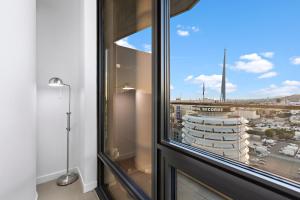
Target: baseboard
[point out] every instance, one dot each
(53, 176)
(86, 187)
(89, 186)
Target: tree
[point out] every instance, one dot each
(269, 133)
(285, 134)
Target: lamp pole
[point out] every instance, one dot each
(69, 177)
(68, 126)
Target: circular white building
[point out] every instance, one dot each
(214, 129)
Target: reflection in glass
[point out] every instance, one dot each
(242, 103)
(189, 188)
(128, 92)
(115, 189)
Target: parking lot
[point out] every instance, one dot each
(277, 163)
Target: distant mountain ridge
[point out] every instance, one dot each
(290, 98)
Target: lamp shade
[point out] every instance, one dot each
(55, 82)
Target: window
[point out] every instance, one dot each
(184, 111)
(235, 89)
(190, 189)
(128, 88)
(115, 188)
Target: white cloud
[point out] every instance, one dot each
(195, 28)
(295, 60)
(251, 56)
(268, 75)
(286, 88)
(268, 54)
(124, 43)
(230, 87)
(291, 83)
(188, 78)
(147, 48)
(183, 33)
(172, 87)
(186, 30)
(253, 63)
(213, 82)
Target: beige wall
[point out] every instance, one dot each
(143, 111)
(132, 109)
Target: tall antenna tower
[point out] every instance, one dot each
(203, 92)
(223, 86)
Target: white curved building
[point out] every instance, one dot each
(215, 130)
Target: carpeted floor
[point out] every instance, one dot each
(50, 191)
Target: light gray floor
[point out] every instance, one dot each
(50, 191)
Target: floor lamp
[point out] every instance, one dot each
(69, 177)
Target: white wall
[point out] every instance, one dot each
(58, 54)
(66, 47)
(88, 120)
(17, 100)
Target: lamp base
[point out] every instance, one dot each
(67, 179)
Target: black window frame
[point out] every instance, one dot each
(231, 178)
(102, 159)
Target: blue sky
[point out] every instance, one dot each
(262, 38)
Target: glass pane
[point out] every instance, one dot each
(189, 188)
(235, 86)
(128, 92)
(114, 187)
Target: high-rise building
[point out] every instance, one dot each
(214, 129)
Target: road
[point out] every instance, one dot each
(236, 104)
